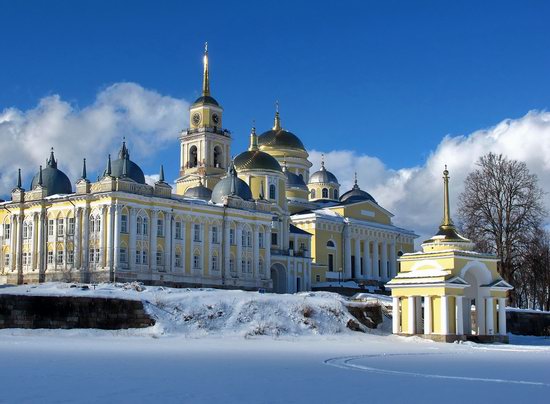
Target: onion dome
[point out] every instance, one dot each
(123, 167)
(206, 98)
(231, 185)
(323, 176)
(199, 192)
(447, 230)
(254, 159)
(356, 194)
(293, 180)
(54, 180)
(277, 137)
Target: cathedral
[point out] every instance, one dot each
(260, 221)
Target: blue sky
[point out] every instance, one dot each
(386, 79)
(388, 75)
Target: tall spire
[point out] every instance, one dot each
(19, 178)
(205, 79)
(447, 221)
(233, 174)
(323, 162)
(108, 170)
(161, 175)
(51, 161)
(253, 139)
(40, 181)
(124, 168)
(84, 174)
(277, 123)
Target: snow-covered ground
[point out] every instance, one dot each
(227, 363)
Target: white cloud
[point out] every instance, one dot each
(149, 121)
(414, 194)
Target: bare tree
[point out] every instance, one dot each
(500, 209)
(534, 277)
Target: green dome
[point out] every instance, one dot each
(256, 160)
(54, 180)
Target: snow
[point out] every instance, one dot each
(174, 362)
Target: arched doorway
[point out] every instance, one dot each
(193, 159)
(278, 276)
(473, 309)
(218, 157)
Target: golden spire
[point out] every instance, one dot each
(205, 79)
(277, 125)
(447, 221)
(253, 138)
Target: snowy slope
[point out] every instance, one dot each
(212, 312)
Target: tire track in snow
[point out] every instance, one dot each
(346, 362)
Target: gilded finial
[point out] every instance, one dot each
(205, 79)
(277, 124)
(253, 139)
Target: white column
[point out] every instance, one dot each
(490, 307)
(428, 315)
(459, 315)
(109, 239)
(396, 315)
(393, 260)
(384, 260)
(132, 218)
(411, 311)
(238, 258)
(226, 249)
(103, 224)
(444, 312)
(357, 260)
(153, 241)
(85, 237)
(267, 244)
(418, 314)
(77, 239)
(32, 240)
(367, 260)
(375, 263)
(347, 253)
(116, 237)
(480, 314)
(40, 242)
(13, 241)
(168, 242)
(502, 316)
(256, 251)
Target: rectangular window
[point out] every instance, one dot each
(243, 238)
(123, 255)
(261, 240)
(249, 238)
(7, 260)
(196, 262)
(138, 257)
(232, 236)
(144, 258)
(70, 257)
(317, 278)
(214, 263)
(178, 260)
(96, 255)
(249, 267)
(243, 266)
(214, 235)
(7, 231)
(274, 239)
(70, 229)
(160, 228)
(50, 227)
(91, 255)
(60, 228)
(145, 226)
(59, 258)
(197, 232)
(124, 223)
(302, 246)
(98, 224)
(159, 257)
(24, 259)
(331, 262)
(139, 227)
(291, 244)
(231, 265)
(178, 231)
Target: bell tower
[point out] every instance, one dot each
(205, 145)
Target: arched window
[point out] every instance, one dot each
(272, 191)
(301, 176)
(145, 226)
(335, 194)
(139, 224)
(218, 157)
(312, 193)
(330, 243)
(192, 156)
(325, 193)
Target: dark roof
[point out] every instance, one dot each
(280, 138)
(132, 170)
(199, 192)
(356, 195)
(297, 230)
(256, 159)
(294, 180)
(54, 180)
(231, 185)
(206, 99)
